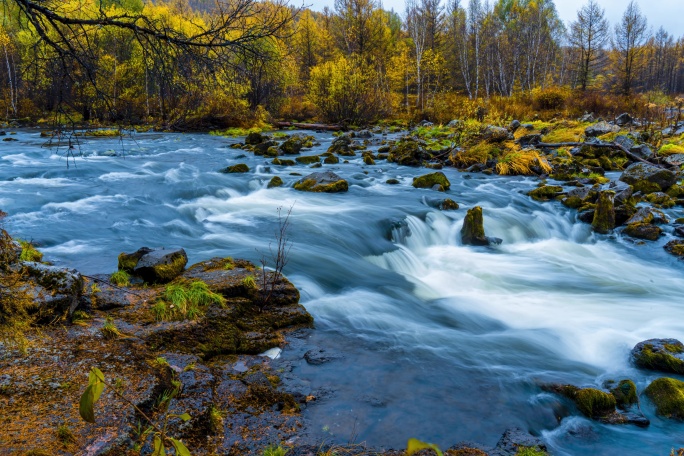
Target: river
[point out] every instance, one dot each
(439, 341)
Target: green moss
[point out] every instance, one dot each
(368, 160)
(29, 253)
(667, 394)
(275, 182)
(472, 232)
(643, 231)
(167, 272)
(239, 168)
(625, 394)
(331, 160)
(676, 191)
(408, 153)
(646, 187)
(594, 403)
(657, 360)
(449, 205)
(392, 181)
(308, 159)
(530, 451)
(660, 199)
(254, 138)
(573, 202)
(430, 180)
(604, 215)
(671, 149)
(283, 162)
(128, 262)
(120, 279)
(545, 193)
(672, 348)
(271, 151)
(310, 185)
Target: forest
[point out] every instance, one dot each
(199, 64)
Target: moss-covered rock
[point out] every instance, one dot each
(308, 159)
(254, 138)
(272, 152)
(331, 160)
(664, 355)
(343, 146)
(448, 205)
(327, 182)
(392, 181)
(667, 394)
(368, 160)
(676, 191)
(262, 148)
(408, 152)
(604, 215)
(675, 247)
(643, 231)
(432, 179)
(472, 232)
(161, 265)
(644, 177)
(660, 199)
(128, 261)
(239, 168)
(545, 192)
(283, 162)
(275, 181)
(625, 394)
(291, 146)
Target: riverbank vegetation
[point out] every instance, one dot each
(195, 64)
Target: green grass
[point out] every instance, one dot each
(249, 282)
(275, 450)
(120, 279)
(80, 318)
(530, 451)
(233, 132)
(109, 330)
(185, 301)
(65, 435)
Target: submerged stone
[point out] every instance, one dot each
(432, 179)
(545, 193)
(275, 181)
(239, 168)
(448, 205)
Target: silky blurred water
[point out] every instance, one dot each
(440, 341)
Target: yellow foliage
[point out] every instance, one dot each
(478, 154)
(520, 162)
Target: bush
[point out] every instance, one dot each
(120, 279)
(550, 98)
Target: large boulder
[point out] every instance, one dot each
(472, 232)
(154, 265)
(667, 394)
(664, 355)
(675, 247)
(254, 138)
(599, 129)
(643, 231)
(604, 215)
(326, 181)
(57, 291)
(648, 178)
(623, 119)
(343, 146)
(408, 152)
(291, 146)
(497, 134)
(431, 180)
(545, 192)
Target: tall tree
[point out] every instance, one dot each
(588, 34)
(416, 24)
(631, 34)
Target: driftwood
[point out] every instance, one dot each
(632, 156)
(307, 126)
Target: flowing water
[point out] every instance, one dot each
(440, 341)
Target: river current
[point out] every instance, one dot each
(437, 340)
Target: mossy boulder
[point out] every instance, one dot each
(643, 231)
(343, 146)
(676, 191)
(644, 177)
(283, 162)
(664, 355)
(472, 231)
(648, 215)
(432, 179)
(154, 265)
(497, 134)
(308, 159)
(272, 152)
(331, 160)
(368, 160)
(291, 146)
(675, 247)
(262, 148)
(660, 199)
(239, 168)
(545, 192)
(275, 181)
(604, 215)
(327, 182)
(600, 129)
(254, 138)
(408, 152)
(625, 394)
(448, 205)
(57, 290)
(667, 394)
(392, 181)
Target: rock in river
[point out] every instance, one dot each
(154, 265)
(327, 182)
(664, 355)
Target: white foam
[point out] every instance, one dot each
(84, 205)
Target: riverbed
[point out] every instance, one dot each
(431, 339)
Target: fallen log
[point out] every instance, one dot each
(308, 126)
(632, 156)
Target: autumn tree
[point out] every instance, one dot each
(630, 35)
(588, 34)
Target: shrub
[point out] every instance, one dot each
(109, 330)
(550, 98)
(120, 279)
(520, 162)
(185, 301)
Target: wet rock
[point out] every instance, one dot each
(239, 168)
(664, 355)
(291, 146)
(604, 215)
(392, 181)
(530, 140)
(648, 178)
(667, 394)
(600, 129)
(623, 119)
(408, 152)
(545, 192)
(472, 232)
(327, 182)
(642, 151)
(647, 215)
(514, 125)
(643, 231)
(254, 138)
(514, 441)
(343, 145)
(674, 159)
(319, 356)
(155, 265)
(308, 159)
(283, 162)
(675, 247)
(497, 134)
(448, 205)
(275, 181)
(625, 394)
(262, 148)
(660, 199)
(676, 191)
(59, 289)
(432, 179)
(368, 160)
(363, 134)
(331, 160)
